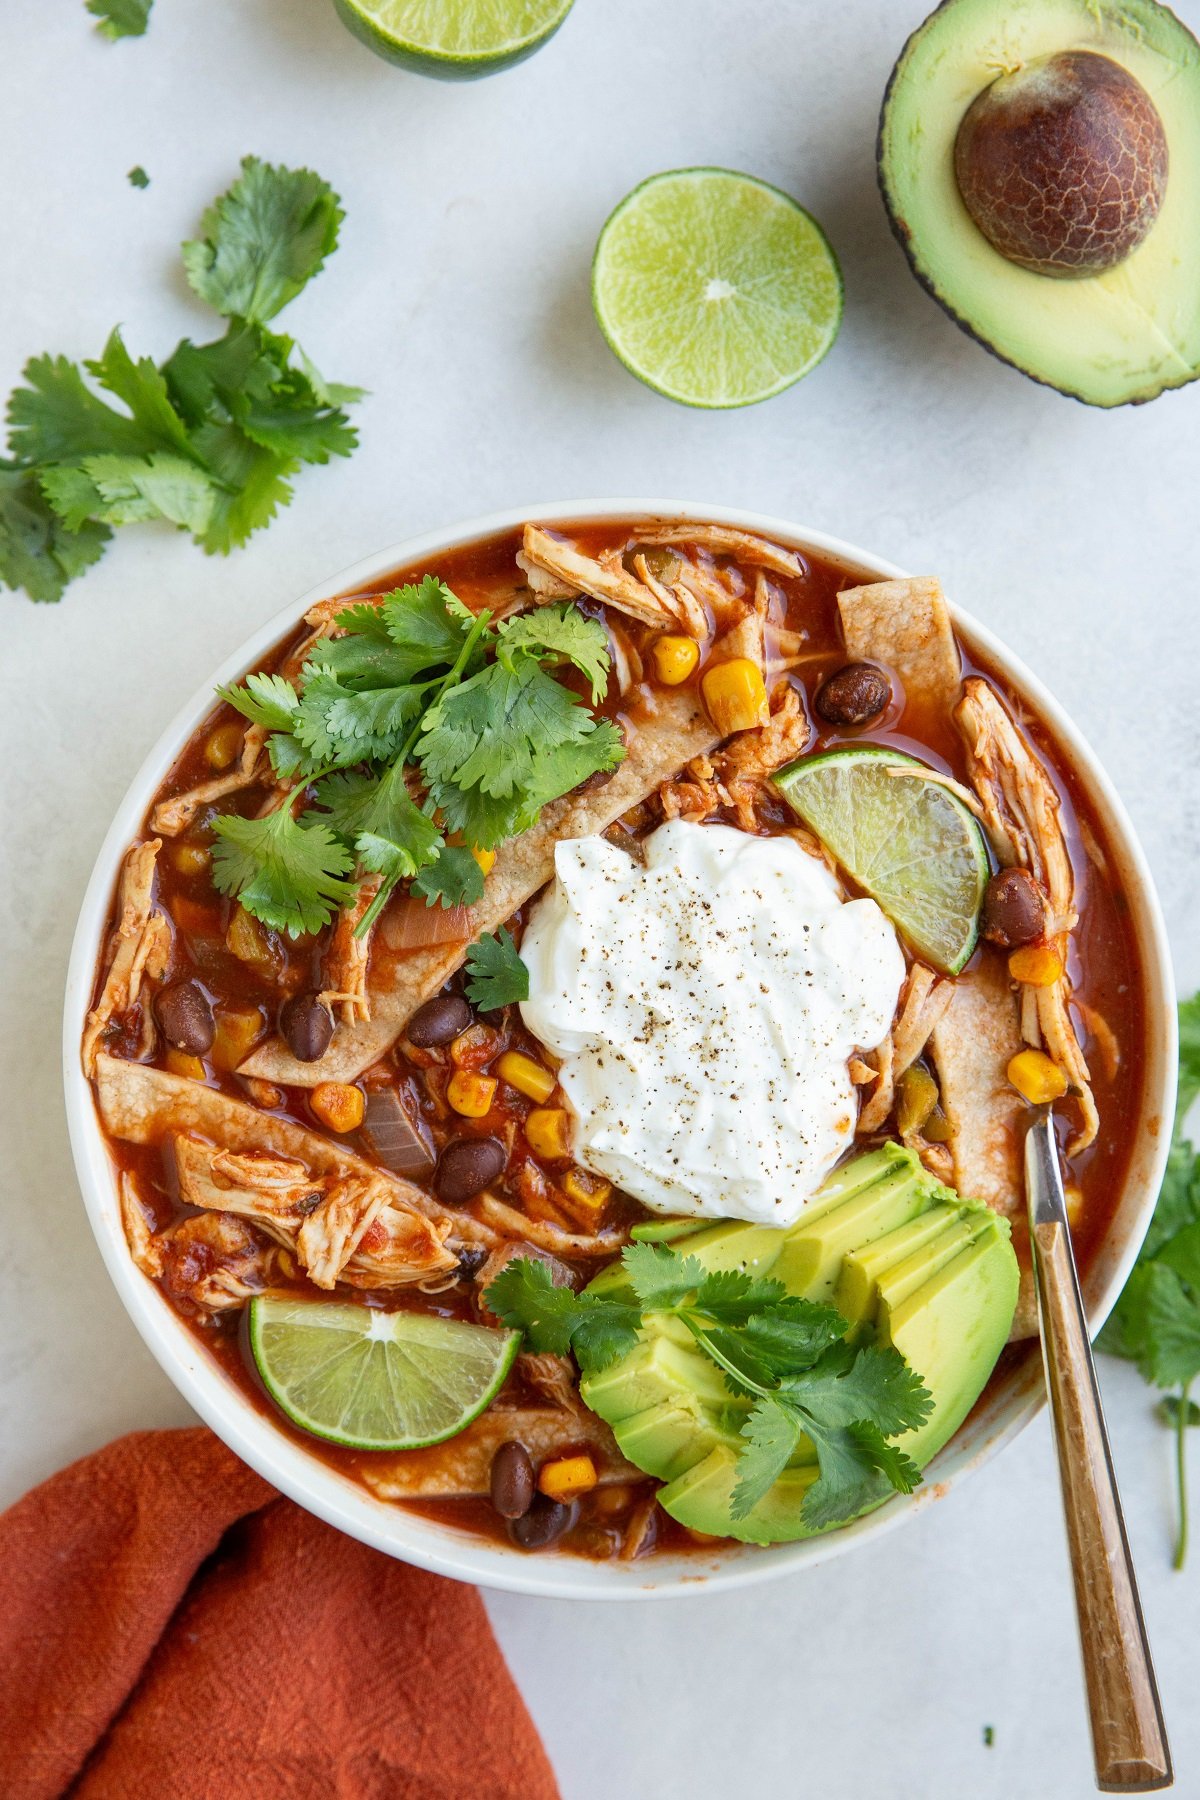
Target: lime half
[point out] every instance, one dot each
(903, 838)
(374, 1380)
(714, 288)
(454, 39)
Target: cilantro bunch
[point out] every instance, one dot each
(786, 1355)
(1156, 1322)
(422, 723)
(208, 441)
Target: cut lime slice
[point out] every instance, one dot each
(903, 838)
(374, 1380)
(454, 39)
(715, 288)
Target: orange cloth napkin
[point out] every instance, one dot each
(171, 1627)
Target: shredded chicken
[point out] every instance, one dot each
(172, 817)
(551, 1376)
(139, 949)
(140, 1235)
(745, 763)
(214, 1262)
(925, 1000)
(340, 1227)
(344, 970)
(1023, 816)
(879, 1105)
(542, 584)
(676, 598)
(695, 793)
(605, 579)
(728, 540)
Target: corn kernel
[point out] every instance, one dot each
(587, 1196)
(675, 658)
(180, 1063)
(238, 1029)
(527, 1076)
(485, 858)
(567, 1477)
(1074, 1200)
(1036, 1077)
(191, 859)
(223, 745)
(548, 1132)
(338, 1105)
(735, 695)
(250, 941)
(471, 1094)
(1037, 965)
(473, 1047)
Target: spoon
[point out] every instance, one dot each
(1129, 1738)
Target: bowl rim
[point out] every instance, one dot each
(335, 1497)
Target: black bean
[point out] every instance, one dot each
(854, 695)
(467, 1166)
(512, 1483)
(471, 1259)
(185, 1013)
(1014, 909)
(543, 1524)
(438, 1021)
(307, 1026)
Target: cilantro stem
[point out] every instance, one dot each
(1181, 1426)
(473, 636)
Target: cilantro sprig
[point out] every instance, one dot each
(210, 440)
(120, 18)
(420, 722)
(786, 1355)
(1156, 1321)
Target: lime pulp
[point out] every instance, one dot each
(454, 39)
(715, 288)
(376, 1380)
(904, 838)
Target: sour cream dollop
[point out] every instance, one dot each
(705, 1007)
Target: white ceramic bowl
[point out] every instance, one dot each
(333, 1497)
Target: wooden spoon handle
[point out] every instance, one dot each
(1128, 1734)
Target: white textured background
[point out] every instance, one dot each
(460, 298)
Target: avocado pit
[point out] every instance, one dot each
(1062, 164)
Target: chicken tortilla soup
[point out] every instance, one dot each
(566, 1030)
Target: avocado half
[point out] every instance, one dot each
(1112, 339)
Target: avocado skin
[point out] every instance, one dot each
(669, 1417)
(909, 243)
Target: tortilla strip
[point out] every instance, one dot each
(971, 1046)
(461, 1469)
(906, 625)
(144, 1105)
(666, 738)
(727, 540)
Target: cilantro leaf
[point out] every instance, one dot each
(858, 1469)
(251, 485)
(144, 391)
(377, 814)
(658, 1276)
(793, 1334)
(772, 1434)
(263, 240)
(1169, 1346)
(265, 700)
(428, 625)
(558, 1321)
(137, 177)
(1179, 1414)
(1189, 1054)
(875, 1384)
(38, 551)
(126, 490)
(455, 879)
(491, 730)
(56, 417)
(565, 634)
(496, 976)
(120, 18)
(291, 876)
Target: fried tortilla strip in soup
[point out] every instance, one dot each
(337, 1212)
(905, 625)
(462, 1468)
(671, 730)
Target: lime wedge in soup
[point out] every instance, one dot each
(376, 1380)
(901, 836)
(454, 39)
(715, 288)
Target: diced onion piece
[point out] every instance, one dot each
(1036, 965)
(408, 924)
(528, 1077)
(391, 1136)
(471, 1095)
(1034, 1075)
(567, 1477)
(338, 1105)
(735, 695)
(675, 659)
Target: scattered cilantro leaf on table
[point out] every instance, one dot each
(120, 18)
(496, 976)
(137, 177)
(1156, 1321)
(786, 1354)
(209, 441)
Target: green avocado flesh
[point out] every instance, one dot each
(903, 1259)
(1109, 339)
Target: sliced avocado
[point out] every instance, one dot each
(659, 1369)
(862, 1268)
(912, 1272)
(810, 1260)
(667, 1440)
(664, 1231)
(1123, 334)
(701, 1500)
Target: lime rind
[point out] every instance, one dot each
(453, 39)
(715, 288)
(370, 1380)
(904, 838)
